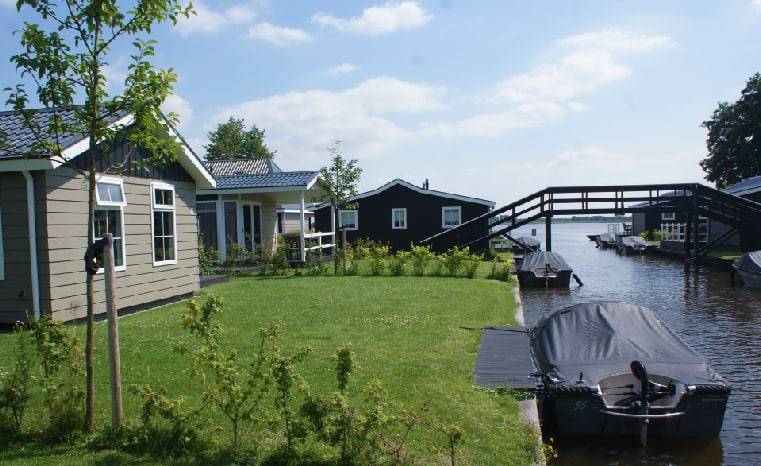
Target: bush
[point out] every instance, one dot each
(378, 255)
(399, 262)
(14, 386)
(421, 257)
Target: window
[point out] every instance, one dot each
(450, 217)
(164, 239)
(109, 217)
(2, 250)
(206, 213)
(398, 219)
(348, 219)
(668, 216)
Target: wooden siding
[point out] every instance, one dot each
(424, 216)
(141, 283)
(15, 289)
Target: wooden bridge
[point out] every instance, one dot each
(693, 199)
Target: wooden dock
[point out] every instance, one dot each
(504, 360)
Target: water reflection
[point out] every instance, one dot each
(720, 320)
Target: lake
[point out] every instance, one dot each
(719, 319)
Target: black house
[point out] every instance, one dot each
(399, 214)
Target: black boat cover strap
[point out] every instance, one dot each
(601, 339)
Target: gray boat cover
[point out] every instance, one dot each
(632, 241)
(592, 341)
(541, 259)
(528, 242)
(750, 262)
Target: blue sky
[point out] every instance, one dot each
(484, 98)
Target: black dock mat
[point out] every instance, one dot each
(504, 359)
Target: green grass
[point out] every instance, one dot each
(414, 334)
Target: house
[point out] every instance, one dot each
(750, 189)
(242, 209)
(44, 217)
(400, 213)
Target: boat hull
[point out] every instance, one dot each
(750, 279)
(530, 279)
(579, 411)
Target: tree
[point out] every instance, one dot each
(734, 138)
(339, 183)
(64, 59)
(232, 141)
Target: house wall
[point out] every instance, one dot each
(424, 216)
(142, 283)
(16, 287)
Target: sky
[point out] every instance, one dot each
(483, 98)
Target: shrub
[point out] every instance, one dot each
(14, 386)
(378, 255)
(398, 262)
(421, 257)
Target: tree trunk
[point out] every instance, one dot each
(90, 333)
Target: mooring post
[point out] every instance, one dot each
(548, 233)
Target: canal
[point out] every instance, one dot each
(720, 320)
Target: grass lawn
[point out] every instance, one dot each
(413, 334)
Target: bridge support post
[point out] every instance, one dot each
(548, 233)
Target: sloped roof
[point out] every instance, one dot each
(430, 192)
(21, 139)
(745, 187)
(242, 167)
(303, 179)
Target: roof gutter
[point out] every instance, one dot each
(31, 219)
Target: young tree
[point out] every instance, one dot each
(734, 138)
(339, 183)
(232, 141)
(63, 60)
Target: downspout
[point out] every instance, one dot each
(32, 221)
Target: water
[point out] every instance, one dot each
(720, 320)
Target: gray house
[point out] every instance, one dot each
(43, 226)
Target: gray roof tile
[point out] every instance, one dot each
(241, 167)
(267, 180)
(21, 138)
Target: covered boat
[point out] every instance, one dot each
(616, 368)
(606, 240)
(631, 245)
(524, 244)
(543, 269)
(749, 269)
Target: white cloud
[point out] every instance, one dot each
(278, 35)
(376, 20)
(8, 4)
(755, 5)
(208, 22)
(344, 68)
(303, 124)
(593, 60)
(181, 107)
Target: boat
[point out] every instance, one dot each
(543, 269)
(524, 244)
(606, 240)
(606, 368)
(748, 267)
(631, 244)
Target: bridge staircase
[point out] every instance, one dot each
(692, 198)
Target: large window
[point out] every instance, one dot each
(164, 238)
(348, 219)
(398, 219)
(109, 217)
(207, 224)
(450, 217)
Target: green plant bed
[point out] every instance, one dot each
(413, 334)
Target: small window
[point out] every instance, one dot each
(164, 238)
(668, 216)
(109, 218)
(348, 219)
(450, 217)
(399, 219)
(110, 192)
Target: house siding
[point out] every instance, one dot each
(424, 216)
(141, 283)
(15, 289)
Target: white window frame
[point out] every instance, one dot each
(163, 208)
(111, 204)
(668, 216)
(403, 220)
(2, 248)
(354, 213)
(444, 211)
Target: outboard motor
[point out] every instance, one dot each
(640, 372)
